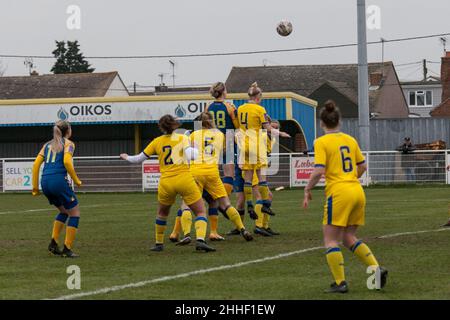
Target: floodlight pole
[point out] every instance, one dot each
(363, 78)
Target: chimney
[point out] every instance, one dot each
(375, 79)
(445, 76)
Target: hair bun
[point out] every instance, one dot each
(254, 85)
(330, 106)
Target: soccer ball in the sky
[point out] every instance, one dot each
(284, 28)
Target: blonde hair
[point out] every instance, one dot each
(254, 91)
(60, 130)
(207, 120)
(217, 89)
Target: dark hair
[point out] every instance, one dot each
(168, 124)
(217, 89)
(330, 114)
(207, 120)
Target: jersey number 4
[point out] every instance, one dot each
(244, 119)
(347, 165)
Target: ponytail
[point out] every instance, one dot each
(254, 91)
(217, 90)
(60, 130)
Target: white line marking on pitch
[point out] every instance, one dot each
(203, 271)
(53, 209)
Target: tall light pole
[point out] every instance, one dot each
(173, 72)
(363, 78)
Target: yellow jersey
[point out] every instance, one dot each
(209, 143)
(252, 116)
(170, 149)
(340, 155)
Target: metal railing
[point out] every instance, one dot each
(110, 174)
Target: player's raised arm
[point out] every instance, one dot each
(36, 167)
(69, 149)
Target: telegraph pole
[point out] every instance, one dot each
(363, 78)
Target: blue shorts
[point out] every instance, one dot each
(58, 191)
(238, 184)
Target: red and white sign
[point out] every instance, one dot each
(301, 169)
(150, 174)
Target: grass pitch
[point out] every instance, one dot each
(116, 231)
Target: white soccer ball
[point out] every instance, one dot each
(284, 28)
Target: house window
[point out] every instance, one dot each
(420, 98)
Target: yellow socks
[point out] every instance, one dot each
(71, 231)
(160, 227)
(362, 251)
(248, 191)
(266, 220)
(263, 188)
(228, 184)
(186, 221)
(200, 227)
(177, 226)
(234, 216)
(58, 225)
(213, 216)
(335, 261)
(260, 221)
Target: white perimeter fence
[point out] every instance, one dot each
(110, 174)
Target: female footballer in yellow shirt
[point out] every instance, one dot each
(254, 125)
(205, 170)
(338, 157)
(174, 152)
(56, 155)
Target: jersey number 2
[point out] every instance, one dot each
(168, 156)
(347, 165)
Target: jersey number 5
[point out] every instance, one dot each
(347, 165)
(168, 157)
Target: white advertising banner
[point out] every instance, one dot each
(150, 174)
(17, 176)
(301, 169)
(109, 112)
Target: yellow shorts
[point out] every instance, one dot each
(255, 180)
(182, 184)
(345, 205)
(253, 156)
(212, 184)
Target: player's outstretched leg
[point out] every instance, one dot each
(363, 252)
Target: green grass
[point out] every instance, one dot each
(116, 231)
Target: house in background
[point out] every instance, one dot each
(73, 85)
(422, 96)
(443, 109)
(331, 81)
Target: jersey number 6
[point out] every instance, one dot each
(347, 165)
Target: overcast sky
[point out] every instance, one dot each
(147, 27)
